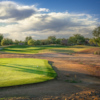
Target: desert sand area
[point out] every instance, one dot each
(78, 78)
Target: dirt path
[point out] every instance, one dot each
(74, 77)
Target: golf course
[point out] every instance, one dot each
(24, 49)
(49, 71)
(49, 49)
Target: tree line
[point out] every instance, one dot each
(76, 39)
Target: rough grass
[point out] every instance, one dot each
(95, 50)
(19, 71)
(72, 49)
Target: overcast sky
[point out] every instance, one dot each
(43, 18)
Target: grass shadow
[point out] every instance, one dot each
(28, 49)
(54, 68)
(30, 69)
(63, 51)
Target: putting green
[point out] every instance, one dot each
(19, 71)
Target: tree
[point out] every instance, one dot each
(58, 41)
(31, 42)
(16, 42)
(72, 40)
(44, 42)
(1, 37)
(37, 42)
(96, 34)
(6, 41)
(52, 39)
(77, 39)
(97, 41)
(91, 42)
(27, 39)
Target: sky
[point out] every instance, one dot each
(43, 18)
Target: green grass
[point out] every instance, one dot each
(19, 71)
(44, 49)
(71, 49)
(28, 49)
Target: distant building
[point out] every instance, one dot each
(21, 44)
(64, 42)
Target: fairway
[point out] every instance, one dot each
(44, 49)
(28, 49)
(19, 71)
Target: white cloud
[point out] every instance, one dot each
(43, 9)
(18, 21)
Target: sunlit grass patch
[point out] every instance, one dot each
(19, 71)
(45, 49)
(72, 49)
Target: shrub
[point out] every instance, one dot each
(97, 52)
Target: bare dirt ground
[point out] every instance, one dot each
(78, 79)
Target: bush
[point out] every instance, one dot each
(97, 52)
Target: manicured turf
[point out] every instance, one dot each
(19, 71)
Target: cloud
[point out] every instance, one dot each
(18, 21)
(43, 9)
(10, 9)
(60, 22)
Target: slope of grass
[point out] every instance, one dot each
(19, 71)
(45, 49)
(72, 49)
(28, 49)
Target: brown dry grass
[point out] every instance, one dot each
(78, 67)
(90, 50)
